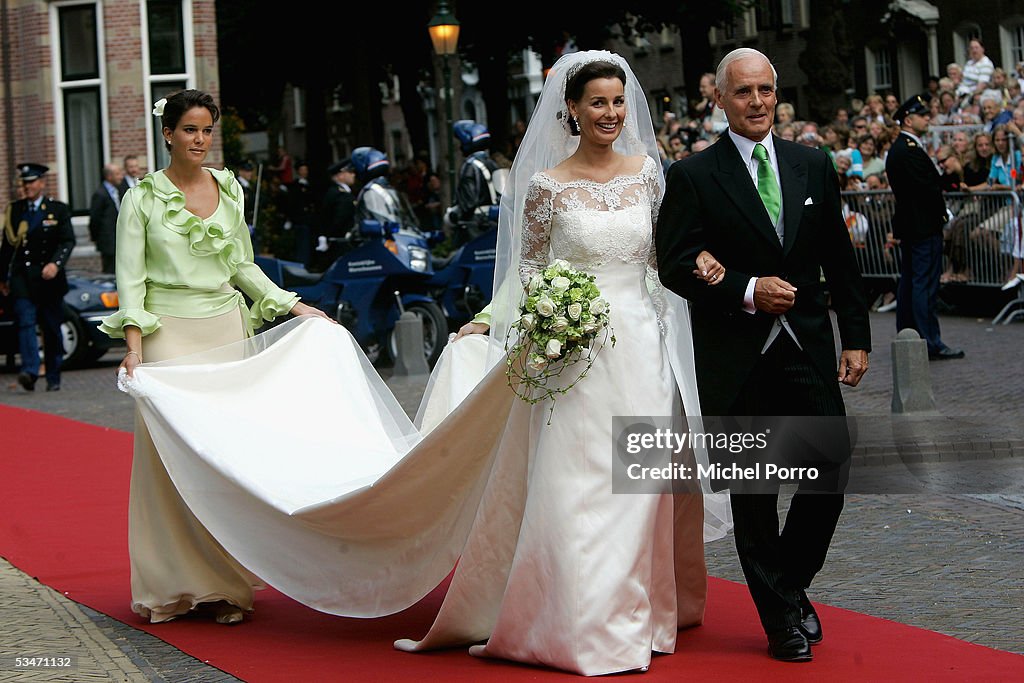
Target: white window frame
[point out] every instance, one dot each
(805, 14)
(59, 85)
(962, 35)
(298, 107)
(788, 13)
(1011, 38)
(150, 79)
(871, 62)
(750, 23)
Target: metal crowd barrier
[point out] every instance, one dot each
(943, 135)
(980, 244)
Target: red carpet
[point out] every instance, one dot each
(63, 520)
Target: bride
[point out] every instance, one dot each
(553, 567)
(595, 581)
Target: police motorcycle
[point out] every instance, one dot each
(462, 281)
(383, 269)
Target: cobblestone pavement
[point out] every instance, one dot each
(949, 563)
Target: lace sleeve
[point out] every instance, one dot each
(653, 283)
(536, 230)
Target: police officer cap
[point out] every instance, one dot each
(339, 166)
(29, 171)
(246, 166)
(918, 104)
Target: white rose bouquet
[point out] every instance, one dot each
(561, 316)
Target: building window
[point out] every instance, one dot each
(962, 35)
(767, 15)
(1013, 44)
(299, 105)
(772, 15)
(166, 36)
(167, 39)
(79, 58)
(883, 69)
(80, 103)
(161, 156)
(805, 14)
(730, 29)
(667, 39)
(787, 12)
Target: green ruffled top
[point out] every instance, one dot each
(171, 262)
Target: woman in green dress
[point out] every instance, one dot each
(183, 254)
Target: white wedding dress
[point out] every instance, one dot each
(300, 462)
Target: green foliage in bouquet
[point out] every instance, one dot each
(560, 318)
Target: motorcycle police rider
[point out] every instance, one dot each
(377, 200)
(480, 182)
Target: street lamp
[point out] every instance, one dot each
(444, 34)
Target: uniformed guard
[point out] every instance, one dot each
(337, 214)
(37, 241)
(917, 223)
(303, 211)
(481, 180)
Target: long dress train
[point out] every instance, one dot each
(358, 513)
(584, 580)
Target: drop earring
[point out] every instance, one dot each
(576, 120)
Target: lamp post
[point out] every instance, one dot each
(444, 34)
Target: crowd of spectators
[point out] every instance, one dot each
(976, 140)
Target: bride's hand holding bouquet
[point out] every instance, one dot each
(561, 316)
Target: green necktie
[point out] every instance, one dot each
(767, 186)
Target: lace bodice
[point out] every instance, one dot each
(588, 223)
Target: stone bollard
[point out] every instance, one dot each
(409, 340)
(911, 380)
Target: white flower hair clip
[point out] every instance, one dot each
(158, 106)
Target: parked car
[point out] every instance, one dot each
(90, 298)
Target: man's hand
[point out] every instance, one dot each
(50, 271)
(853, 363)
(471, 328)
(4, 289)
(773, 295)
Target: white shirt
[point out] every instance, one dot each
(114, 195)
(975, 72)
(745, 146)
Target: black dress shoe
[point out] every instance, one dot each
(789, 645)
(946, 354)
(27, 381)
(53, 387)
(809, 625)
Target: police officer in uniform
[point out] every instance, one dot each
(917, 223)
(37, 241)
(303, 206)
(337, 215)
(481, 179)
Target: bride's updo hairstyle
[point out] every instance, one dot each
(180, 102)
(589, 71)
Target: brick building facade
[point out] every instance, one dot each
(78, 80)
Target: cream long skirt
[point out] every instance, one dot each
(175, 563)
